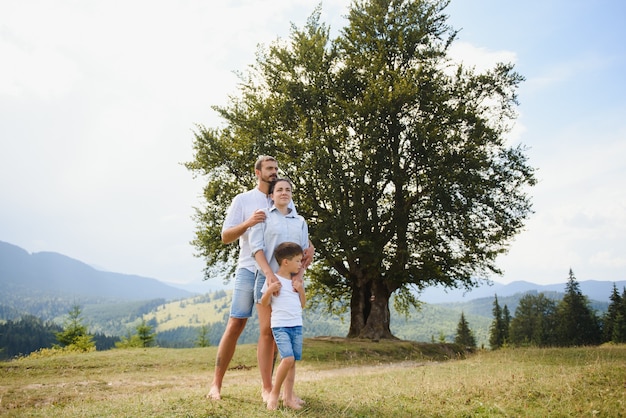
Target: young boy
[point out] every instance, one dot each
(286, 320)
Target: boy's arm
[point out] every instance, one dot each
(266, 298)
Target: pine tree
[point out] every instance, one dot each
(496, 337)
(203, 337)
(506, 324)
(464, 336)
(619, 326)
(611, 316)
(145, 334)
(74, 334)
(577, 323)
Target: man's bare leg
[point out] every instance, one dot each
(265, 349)
(225, 352)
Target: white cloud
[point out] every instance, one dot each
(482, 59)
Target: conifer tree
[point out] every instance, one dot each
(611, 316)
(74, 334)
(203, 337)
(577, 323)
(506, 323)
(464, 336)
(619, 326)
(496, 337)
(145, 334)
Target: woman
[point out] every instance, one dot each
(282, 224)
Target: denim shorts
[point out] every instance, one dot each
(258, 286)
(243, 295)
(289, 341)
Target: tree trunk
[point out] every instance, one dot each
(369, 311)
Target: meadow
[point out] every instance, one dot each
(336, 378)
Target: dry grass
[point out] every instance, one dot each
(336, 378)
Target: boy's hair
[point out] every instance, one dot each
(261, 160)
(287, 251)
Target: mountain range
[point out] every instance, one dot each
(53, 274)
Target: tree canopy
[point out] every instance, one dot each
(398, 156)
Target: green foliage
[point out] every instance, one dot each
(25, 335)
(74, 332)
(577, 323)
(464, 336)
(534, 322)
(144, 337)
(498, 330)
(203, 337)
(614, 320)
(400, 163)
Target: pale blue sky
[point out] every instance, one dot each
(98, 101)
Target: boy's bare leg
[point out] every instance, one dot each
(282, 372)
(265, 349)
(225, 352)
(289, 399)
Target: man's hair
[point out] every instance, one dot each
(261, 160)
(273, 184)
(287, 251)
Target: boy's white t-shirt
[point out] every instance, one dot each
(286, 307)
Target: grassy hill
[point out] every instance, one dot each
(336, 378)
(430, 323)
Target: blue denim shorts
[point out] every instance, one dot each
(289, 341)
(243, 295)
(258, 285)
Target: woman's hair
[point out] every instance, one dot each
(273, 184)
(287, 251)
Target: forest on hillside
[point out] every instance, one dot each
(185, 322)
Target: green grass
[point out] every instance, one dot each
(337, 378)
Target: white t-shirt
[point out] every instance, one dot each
(286, 307)
(241, 208)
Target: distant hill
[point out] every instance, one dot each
(594, 290)
(52, 274)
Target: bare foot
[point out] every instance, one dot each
(272, 403)
(265, 395)
(292, 403)
(214, 394)
(297, 400)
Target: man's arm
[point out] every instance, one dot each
(298, 286)
(234, 232)
(309, 252)
(264, 266)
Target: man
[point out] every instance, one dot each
(243, 213)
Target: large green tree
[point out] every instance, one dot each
(534, 322)
(398, 156)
